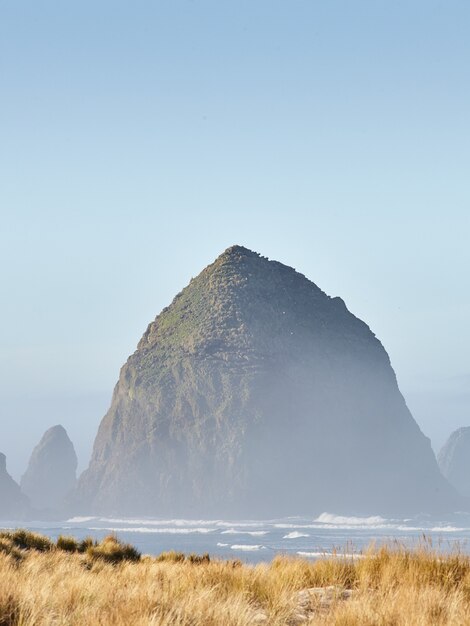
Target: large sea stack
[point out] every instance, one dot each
(256, 394)
(454, 460)
(51, 472)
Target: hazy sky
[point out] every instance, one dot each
(140, 139)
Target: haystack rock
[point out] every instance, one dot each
(454, 460)
(13, 503)
(256, 394)
(51, 472)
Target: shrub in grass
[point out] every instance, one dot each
(68, 544)
(86, 543)
(28, 540)
(7, 547)
(197, 559)
(171, 556)
(112, 550)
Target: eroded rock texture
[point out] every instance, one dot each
(254, 393)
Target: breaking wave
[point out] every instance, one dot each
(329, 555)
(159, 522)
(254, 533)
(331, 518)
(174, 522)
(163, 531)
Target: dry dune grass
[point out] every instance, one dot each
(90, 584)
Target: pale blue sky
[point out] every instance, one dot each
(139, 139)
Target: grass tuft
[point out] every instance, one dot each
(28, 540)
(7, 547)
(67, 544)
(112, 550)
(171, 556)
(197, 559)
(86, 543)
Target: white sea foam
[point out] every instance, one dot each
(244, 524)
(247, 548)
(222, 545)
(79, 520)
(330, 555)
(163, 531)
(254, 533)
(287, 526)
(331, 518)
(180, 522)
(159, 522)
(427, 529)
(332, 526)
(295, 535)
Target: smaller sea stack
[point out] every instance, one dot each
(51, 472)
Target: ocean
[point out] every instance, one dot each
(260, 540)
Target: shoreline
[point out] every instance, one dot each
(257, 541)
(109, 582)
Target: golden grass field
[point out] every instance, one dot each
(91, 584)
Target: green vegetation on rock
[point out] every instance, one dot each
(255, 393)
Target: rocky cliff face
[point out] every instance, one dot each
(255, 393)
(13, 504)
(454, 460)
(51, 472)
